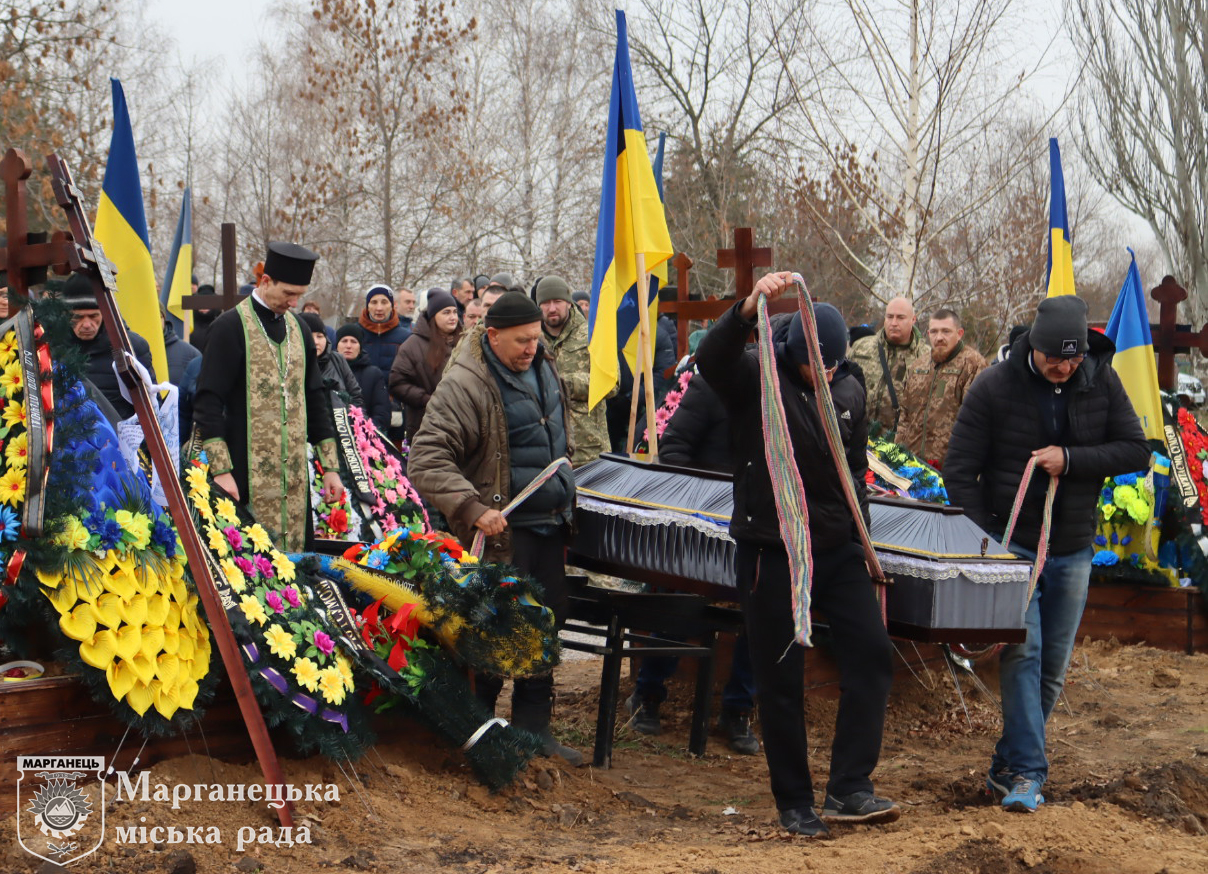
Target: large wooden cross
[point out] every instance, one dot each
(230, 282)
(743, 259)
(76, 251)
(1170, 337)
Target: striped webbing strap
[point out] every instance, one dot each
(538, 481)
(787, 489)
(1046, 522)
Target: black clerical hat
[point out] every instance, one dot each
(290, 263)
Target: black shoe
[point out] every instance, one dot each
(860, 807)
(551, 747)
(736, 726)
(803, 821)
(645, 713)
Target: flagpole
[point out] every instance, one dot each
(634, 394)
(647, 359)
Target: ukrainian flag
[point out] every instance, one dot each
(1134, 362)
(1061, 252)
(121, 229)
(178, 280)
(631, 221)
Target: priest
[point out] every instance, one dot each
(260, 400)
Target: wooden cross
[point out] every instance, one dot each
(230, 287)
(743, 259)
(1170, 338)
(26, 256)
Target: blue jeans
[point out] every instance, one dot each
(1031, 674)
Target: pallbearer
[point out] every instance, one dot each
(260, 399)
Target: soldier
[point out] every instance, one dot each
(565, 334)
(884, 357)
(936, 383)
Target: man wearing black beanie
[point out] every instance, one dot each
(502, 376)
(842, 588)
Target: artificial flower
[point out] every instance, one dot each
(10, 527)
(75, 535)
(11, 380)
(16, 450)
(8, 347)
(12, 486)
(261, 542)
(323, 643)
(285, 567)
(264, 567)
(232, 535)
(227, 512)
(291, 595)
(307, 673)
(253, 609)
(273, 600)
(345, 669)
(14, 415)
(331, 685)
(246, 566)
(234, 576)
(137, 525)
(280, 642)
(199, 486)
(217, 541)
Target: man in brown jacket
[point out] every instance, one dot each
(495, 421)
(936, 383)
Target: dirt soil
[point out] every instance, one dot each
(1128, 794)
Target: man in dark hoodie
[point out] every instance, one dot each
(88, 333)
(842, 588)
(178, 352)
(1056, 399)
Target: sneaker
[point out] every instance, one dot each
(859, 807)
(1024, 796)
(645, 713)
(736, 726)
(803, 821)
(999, 783)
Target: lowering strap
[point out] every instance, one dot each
(538, 481)
(1046, 523)
(792, 510)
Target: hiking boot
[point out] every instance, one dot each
(551, 747)
(1024, 796)
(803, 821)
(736, 726)
(859, 807)
(645, 713)
(999, 783)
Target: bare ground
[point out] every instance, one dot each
(1128, 794)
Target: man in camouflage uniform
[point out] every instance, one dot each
(565, 331)
(936, 383)
(884, 357)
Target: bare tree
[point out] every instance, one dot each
(1145, 118)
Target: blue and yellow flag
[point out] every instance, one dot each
(121, 229)
(1061, 251)
(178, 279)
(1134, 362)
(631, 221)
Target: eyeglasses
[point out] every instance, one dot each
(1059, 359)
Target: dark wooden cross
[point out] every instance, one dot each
(230, 282)
(743, 259)
(26, 256)
(1168, 339)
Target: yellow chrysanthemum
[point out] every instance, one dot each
(14, 414)
(284, 567)
(16, 451)
(331, 684)
(280, 642)
(204, 511)
(12, 485)
(234, 576)
(137, 524)
(8, 348)
(307, 673)
(261, 542)
(253, 609)
(218, 541)
(11, 380)
(345, 669)
(75, 535)
(199, 486)
(226, 511)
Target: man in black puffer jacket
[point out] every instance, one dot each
(842, 589)
(1055, 398)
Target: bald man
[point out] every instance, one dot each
(883, 358)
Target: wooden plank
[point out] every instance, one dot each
(1167, 618)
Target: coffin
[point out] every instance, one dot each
(668, 526)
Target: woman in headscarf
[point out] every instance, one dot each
(420, 361)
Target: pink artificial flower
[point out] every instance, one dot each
(392, 496)
(264, 566)
(246, 566)
(291, 595)
(233, 537)
(324, 643)
(274, 600)
(390, 522)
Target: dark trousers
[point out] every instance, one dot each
(542, 557)
(737, 695)
(843, 592)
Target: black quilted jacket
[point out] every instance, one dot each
(999, 426)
